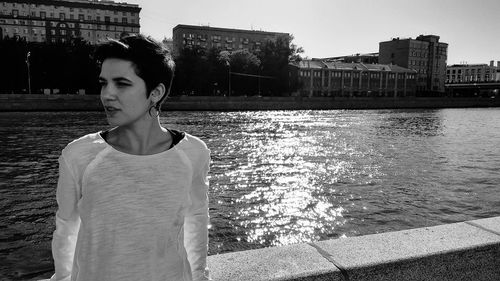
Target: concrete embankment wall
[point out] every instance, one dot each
(459, 251)
(92, 103)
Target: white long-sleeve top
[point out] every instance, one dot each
(131, 217)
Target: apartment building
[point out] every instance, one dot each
(206, 37)
(323, 78)
(473, 73)
(425, 54)
(63, 20)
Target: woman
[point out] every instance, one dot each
(133, 199)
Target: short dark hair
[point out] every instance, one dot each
(152, 61)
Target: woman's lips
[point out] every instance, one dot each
(111, 108)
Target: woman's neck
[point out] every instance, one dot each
(140, 139)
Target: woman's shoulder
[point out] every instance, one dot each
(193, 142)
(195, 149)
(84, 145)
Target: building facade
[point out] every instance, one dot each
(319, 78)
(206, 37)
(425, 54)
(63, 20)
(475, 73)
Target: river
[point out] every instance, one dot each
(277, 177)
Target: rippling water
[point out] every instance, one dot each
(277, 177)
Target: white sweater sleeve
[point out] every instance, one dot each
(67, 222)
(196, 222)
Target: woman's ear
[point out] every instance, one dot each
(158, 93)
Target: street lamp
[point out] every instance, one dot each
(28, 65)
(229, 77)
(260, 72)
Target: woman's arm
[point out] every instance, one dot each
(196, 222)
(67, 222)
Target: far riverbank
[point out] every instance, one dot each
(208, 103)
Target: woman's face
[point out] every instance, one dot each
(123, 93)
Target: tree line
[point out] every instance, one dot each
(39, 67)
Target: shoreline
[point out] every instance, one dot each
(16, 102)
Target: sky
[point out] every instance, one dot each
(329, 28)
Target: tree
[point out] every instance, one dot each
(243, 63)
(191, 72)
(275, 57)
(65, 66)
(206, 72)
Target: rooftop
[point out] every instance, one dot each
(316, 64)
(221, 29)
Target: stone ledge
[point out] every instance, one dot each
(295, 262)
(459, 251)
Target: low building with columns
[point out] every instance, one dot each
(338, 79)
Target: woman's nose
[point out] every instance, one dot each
(107, 92)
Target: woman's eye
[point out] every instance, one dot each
(121, 85)
(102, 83)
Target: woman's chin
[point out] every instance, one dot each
(113, 121)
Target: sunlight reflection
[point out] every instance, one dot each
(284, 176)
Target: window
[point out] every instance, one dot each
(98, 18)
(71, 17)
(15, 13)
(107, 19)
(62, 16)
(124, 20)
(42, 15)
(81, 17)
